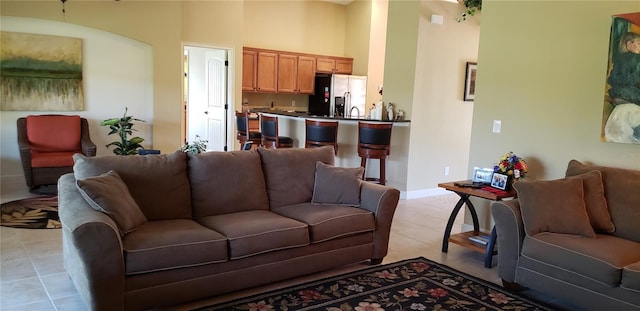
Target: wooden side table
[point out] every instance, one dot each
(463, 238)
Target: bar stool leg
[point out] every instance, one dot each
(383, 177)
(363, 162)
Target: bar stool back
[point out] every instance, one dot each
(321, 133)
(270, 137)
(374, 142)
(243, 133)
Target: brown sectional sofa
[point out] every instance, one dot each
(549, 248)
(212, 223)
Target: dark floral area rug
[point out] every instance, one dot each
(413, 284)
(32, 213)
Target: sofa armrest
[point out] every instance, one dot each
(382, 202)
(510, 231)
(92, 249)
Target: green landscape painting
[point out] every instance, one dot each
(40, 72)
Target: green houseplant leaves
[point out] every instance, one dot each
(124, 128)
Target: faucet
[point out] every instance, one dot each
(351, 112)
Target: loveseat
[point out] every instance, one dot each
(576, 239)
(142, 232)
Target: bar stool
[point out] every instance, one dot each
(244, 135)
(374, 142)
(321, 133)
(270, 137)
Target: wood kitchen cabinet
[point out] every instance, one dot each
(259, 71)
(334, 65)
(296, 74)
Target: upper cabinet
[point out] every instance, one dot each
(296, 74)
(269, 71)
(334, 65)
(259, 71)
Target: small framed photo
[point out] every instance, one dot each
(482, 175)
(499, 181)
(470, 82)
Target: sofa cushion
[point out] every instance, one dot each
(618, 184)
(171, 244)
(158, 183)
(238, 183)
(107, 193)
(255, 232)
(328, 222)
(631, 276)
(595, 201)
(337, 185)
(290, 173)
(600, 259)
(554, 206)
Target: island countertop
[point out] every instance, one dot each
(306, 115)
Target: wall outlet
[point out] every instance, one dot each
(446, 171)
(293, 103)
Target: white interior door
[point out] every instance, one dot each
(207, 96)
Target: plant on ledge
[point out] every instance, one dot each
(198, 146)
(123, 127)
(472, 6)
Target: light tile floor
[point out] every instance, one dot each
(32, 276)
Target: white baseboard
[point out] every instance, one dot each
(405, 195)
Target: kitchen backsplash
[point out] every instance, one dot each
(280, 101)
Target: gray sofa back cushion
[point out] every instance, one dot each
(226, 182)
(158, 183)
(290, 173)
(621, 190)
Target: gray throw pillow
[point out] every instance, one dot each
(337, 185)
(107, 193)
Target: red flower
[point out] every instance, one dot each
(419, 266)
(438, 292)
(308, 294)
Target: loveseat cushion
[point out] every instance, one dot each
(158, 183)
(107, 193)
(290, 173)
(619, 184)
(596, 202)
(170, 244)
(328, 222)
(631, 276)
(226, 182)
(600, 259)
(337, 185)
(554, 206)
(255, 232)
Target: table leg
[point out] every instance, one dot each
(464, 199)
(488, 255)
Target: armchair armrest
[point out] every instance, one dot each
(510, 231)
(382, 202)
(92, 248)
(88, 147)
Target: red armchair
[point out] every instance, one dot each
(47, 144)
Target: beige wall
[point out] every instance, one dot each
(441, 120)
(357, 30)
(541, 70)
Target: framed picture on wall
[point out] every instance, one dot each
(470, 82)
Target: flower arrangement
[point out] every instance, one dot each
(511, 165)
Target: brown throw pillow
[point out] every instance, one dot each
(107, 193)
(596, 202)
(554, 206)
(337, 185)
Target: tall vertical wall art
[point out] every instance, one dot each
(621, 112)
(40, 72)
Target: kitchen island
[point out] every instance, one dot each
(292, 124)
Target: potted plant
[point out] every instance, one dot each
(472, 7)
(124, 128)
(198, 146)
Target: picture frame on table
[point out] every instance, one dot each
(470, 82)
(499, 181)
(482, 175)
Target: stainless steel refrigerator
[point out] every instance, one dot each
(337, 95)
